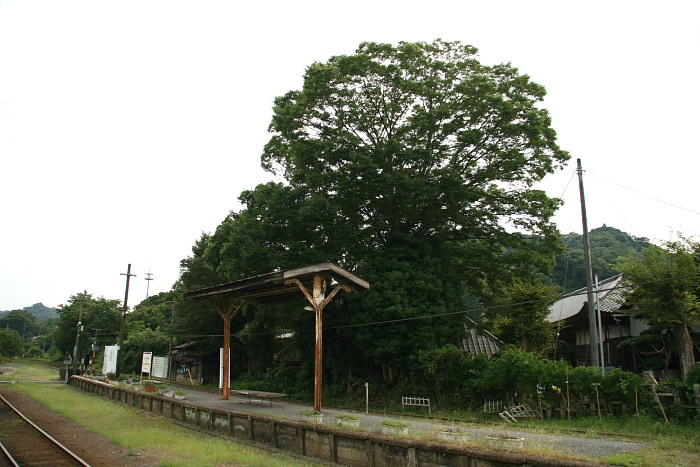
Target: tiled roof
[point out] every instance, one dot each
(609, 297)
(480, 343)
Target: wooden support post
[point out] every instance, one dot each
(319, 300)
(227, 313)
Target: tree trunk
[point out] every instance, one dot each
(685, 349)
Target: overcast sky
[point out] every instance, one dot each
(128, 128)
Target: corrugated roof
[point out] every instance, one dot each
(609, 297)
(480, 343)
(276, 286)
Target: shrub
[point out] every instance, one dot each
(583, 381)
(619, 385)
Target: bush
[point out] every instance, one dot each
(619, 385)
(447, 374)
(583, 381)
(522, 376)
(693, 375)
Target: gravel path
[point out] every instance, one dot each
(592, 448)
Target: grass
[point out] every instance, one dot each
(176, 446)
(671, 444)
(29, 371)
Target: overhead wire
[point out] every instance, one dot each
(461, 312)
(645, 194)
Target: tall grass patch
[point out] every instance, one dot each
(176, 446)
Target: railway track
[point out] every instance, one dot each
(23, 443)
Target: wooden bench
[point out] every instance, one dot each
(261, 395)
(417, 401)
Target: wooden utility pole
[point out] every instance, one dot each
(120, 355)
(77, 336)
(592, 328)
(148, 284)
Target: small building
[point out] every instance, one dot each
(193, 363)
(570, 314)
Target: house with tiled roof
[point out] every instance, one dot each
(570, 315)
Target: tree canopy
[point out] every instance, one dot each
(666, 291)
(608, 244)
(11, 343)
(94, 314)
(412, 165)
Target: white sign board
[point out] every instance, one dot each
(146, 362)
(160, 367)
(110, 361)
(221, 366)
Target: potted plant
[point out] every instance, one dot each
(395, 427)
(452, 434)
(348, 420)
(312, 416)
(180, 394)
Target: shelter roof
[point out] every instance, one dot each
(275, 286)
(610, 299)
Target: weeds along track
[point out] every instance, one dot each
(25, 444)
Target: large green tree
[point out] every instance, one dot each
(666, 291)
(412, 165)
(418, 141)
(23, 322)
(97, 317)
(522, 318)
(11, 343)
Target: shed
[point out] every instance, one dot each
(318, 283)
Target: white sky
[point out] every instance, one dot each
(128, 128)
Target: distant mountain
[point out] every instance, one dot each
(42, 313)
(607, 245)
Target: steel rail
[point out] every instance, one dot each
(45, 434)
(8, 456)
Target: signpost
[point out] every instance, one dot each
(110, 360)
(146, 365)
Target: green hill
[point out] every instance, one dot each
(607, 245)
(41, 312)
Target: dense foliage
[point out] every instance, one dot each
(666, 291)
(608, 244)
(11, 344)
(92, 319)
(454, 380)
(412, 166)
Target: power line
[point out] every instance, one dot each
(644, 194)
(482, 309)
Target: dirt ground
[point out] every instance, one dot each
(94, 449)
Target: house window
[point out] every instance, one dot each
(582, 337)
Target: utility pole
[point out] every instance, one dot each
(94, 349)
(148, 284)
(170, 338)
(77, 337)
(120, 359)
(599, 319)
(592, 328)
